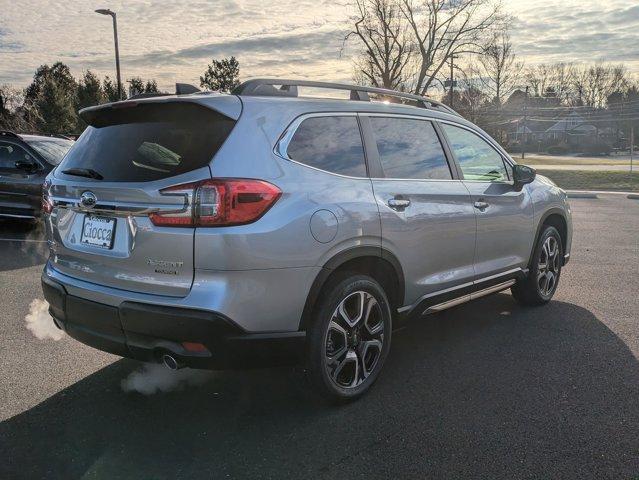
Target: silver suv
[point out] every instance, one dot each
(260, 227)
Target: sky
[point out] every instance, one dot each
(174, 40)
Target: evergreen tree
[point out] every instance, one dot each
(221, 75)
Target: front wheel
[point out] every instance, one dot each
(349, 338)
(543, 277)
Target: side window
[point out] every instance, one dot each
(477, 158)
(333, 144)
(409, 148)
(10, 154)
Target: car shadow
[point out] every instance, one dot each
(485, 390)
(22, 244)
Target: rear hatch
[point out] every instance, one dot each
(103, 196)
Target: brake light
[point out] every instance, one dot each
(219, 203)
(47, 204)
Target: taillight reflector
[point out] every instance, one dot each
(219, 203)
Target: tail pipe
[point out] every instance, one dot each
(171, 362)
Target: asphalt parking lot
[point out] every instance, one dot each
(484, 390)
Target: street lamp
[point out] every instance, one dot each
(106, 11)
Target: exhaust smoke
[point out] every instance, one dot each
(155, 378)
(40, 323)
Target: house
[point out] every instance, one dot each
(572, 124)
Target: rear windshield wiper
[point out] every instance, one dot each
(83, 172)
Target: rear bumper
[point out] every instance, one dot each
(144, 332)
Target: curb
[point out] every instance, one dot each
(596, 193)
(581, 195)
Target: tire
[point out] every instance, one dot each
(543, 276)
(347, 350)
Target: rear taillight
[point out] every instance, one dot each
(47, 204)
(219, 203)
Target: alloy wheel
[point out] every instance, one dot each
(548, 267)
(354, 339)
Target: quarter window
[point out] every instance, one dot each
(409, 148)
(477, 158)
(333, 144)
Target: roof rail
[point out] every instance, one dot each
(288, 88)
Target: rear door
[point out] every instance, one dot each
(504, 213)
(111, 181)
(20, 189)
(427, 218)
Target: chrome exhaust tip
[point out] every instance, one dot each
(170, 362)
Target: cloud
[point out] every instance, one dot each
(576, 31)
(279, 37)
(6, 45)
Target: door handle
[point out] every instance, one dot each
(481, 205)
(398, 204)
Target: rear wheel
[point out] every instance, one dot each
(349, 338)
(543, 278)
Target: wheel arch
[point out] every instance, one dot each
(377, 262)
(554, 217)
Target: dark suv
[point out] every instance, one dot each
(25, 161)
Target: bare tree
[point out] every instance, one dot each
(595, 83)
(445, 28)
(556, 78)
(499, 72)
(381, 28)
(471, 96)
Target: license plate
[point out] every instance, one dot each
(98, 231)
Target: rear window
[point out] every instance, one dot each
(333, 144)
(148, 141)
(52, 150)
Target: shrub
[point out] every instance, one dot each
(557, 150)
(598, 148)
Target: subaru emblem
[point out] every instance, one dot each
(88, 199)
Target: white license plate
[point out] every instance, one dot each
(98, 231)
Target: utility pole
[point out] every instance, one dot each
(452, 79)
(632, 147)
(106, 11)
(524, 134)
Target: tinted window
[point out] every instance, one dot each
(409, 148)
(477, 158)
(148, 141)
(53, 150)
(10, 154)
(333, 144)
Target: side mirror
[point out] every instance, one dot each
(523, 175)
(27, 165)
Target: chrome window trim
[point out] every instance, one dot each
(281, 146)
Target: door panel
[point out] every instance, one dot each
(433, 237)
(20, 191)
(504, 214)
(504, 227)
(427, 218)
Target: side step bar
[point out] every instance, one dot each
(467, 298)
